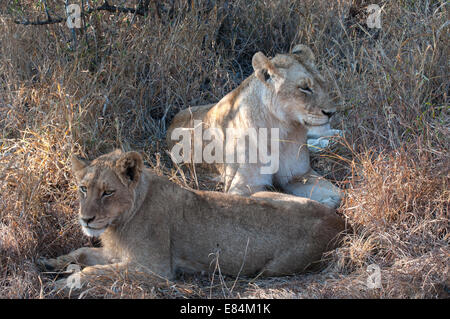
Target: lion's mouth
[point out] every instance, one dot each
(93, 231)
(95, 228)
(313, 120)
(316, 122)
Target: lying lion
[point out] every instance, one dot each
(287, 93)
(148, 224)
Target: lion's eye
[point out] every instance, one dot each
(305, 89)
(107, 193)
(83, 189)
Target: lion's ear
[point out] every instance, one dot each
(79, 163)
(304, 53)
(129, 167)
(263, 67)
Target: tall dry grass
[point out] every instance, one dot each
(127, 77)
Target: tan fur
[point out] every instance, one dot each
(294, 100)
(153, 225)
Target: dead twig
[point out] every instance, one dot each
(142, 10)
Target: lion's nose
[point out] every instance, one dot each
(87, 220)
(329, 114)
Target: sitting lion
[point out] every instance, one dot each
(149, 224)
(285, 92)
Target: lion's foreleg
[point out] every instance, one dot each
(100, 273)
(247, 180)
(91, 274)
(85, 256)
(315, 187)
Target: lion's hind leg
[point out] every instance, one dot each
(288, 262)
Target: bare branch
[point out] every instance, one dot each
(141, 10)
(39, 22)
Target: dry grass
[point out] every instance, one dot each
(124, 86)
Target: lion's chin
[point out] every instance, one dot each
(92, 232)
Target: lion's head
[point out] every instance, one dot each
(298, 93)
(106, 189)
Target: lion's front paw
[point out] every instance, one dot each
(55, 264)
(316, 145)
(334, 132)
(60, 285)
(45, 264)
(332, 201)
